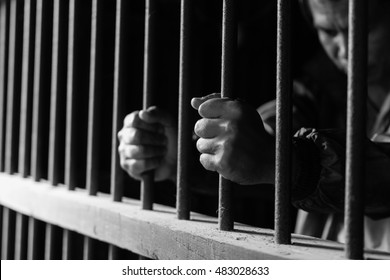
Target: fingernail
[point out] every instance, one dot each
(151, 108)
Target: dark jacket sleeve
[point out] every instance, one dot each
(319, 184)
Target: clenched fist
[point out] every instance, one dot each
(148, 141)
(233, 141)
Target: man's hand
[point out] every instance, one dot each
(233, 141)
(148, 141)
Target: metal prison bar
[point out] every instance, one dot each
(61, 52)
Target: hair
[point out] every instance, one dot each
(306, 10)
(304, 6)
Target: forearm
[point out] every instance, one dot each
(319, 184)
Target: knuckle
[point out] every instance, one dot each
(134, 166)
(235, 107)
(136, 151)
(198, 127)
(134, 136)
(131, 118)
(204, 161)
(128, 151)
(124, 164)
(199, 144)
(120, 149)
(231, 127)
(224, 164)
(119, 135)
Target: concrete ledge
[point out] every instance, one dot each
(156, 234)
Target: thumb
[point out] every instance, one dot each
(197, 101)
(156, 115)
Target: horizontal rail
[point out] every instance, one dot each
(155, 234)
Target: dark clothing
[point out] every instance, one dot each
(319, 184)
(319, 145)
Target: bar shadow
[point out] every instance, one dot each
(253, 232)
(204, 221)
(322, 246)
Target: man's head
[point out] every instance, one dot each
(330, 19)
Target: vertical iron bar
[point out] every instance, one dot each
(42, 73)
(36, 239)
(116, 171)
(14, 85)
(21, 236)
(89, 248)
(58, 91)
(66, 244)
(122, 25)
(184, 134)
(27, 88)
(283, 126)
(356, 129)
(113, 252)
(1, 229)
(4, 38)
(69, 150)
(52, 241)
(72, 246)
(150, 9)
(229, 48)
(93, 110)
(95, 92)
(8, 235)
(77, 85)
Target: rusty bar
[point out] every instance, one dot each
(42, 74)
(147, 183)
(184, 134)
(27, 88)
(229, 49)
(21, 236)
(58, 92)
(15, 51)
(356, 129)
(36, 240)
(53, 242)
(4, 38)
(8, 234)
(283, 126)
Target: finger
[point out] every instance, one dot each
(208, 162)
(206, 146)
(197, 101)
(136, 167)
(141, 151)
(136, 136)
(134, 120)
(225, 108)
(208, 128)
(154, 115)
